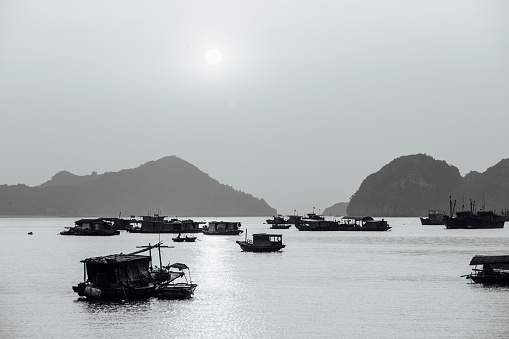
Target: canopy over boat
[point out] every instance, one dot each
(179, 266)
(489, 259)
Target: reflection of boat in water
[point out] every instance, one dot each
(435, 217)
(495, 269)
(179, 288)
(363, 224)
(187, 238)
(97, 227)
(472, 219)
(222, 228)
(263, 242)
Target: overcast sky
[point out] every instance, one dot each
(309, 98)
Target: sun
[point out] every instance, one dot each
(213, 56)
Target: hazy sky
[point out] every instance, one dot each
(310, 97)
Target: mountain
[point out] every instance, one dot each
(410, 185)
(338, 209)
(171, 185)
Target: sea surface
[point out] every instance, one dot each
(404, 283)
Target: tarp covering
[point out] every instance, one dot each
(178, 266)
(489, 259)
(123, 270)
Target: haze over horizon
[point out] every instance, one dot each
(303, 102)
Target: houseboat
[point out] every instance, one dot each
(222, 228)
(97, 227)
(277, 219)
(158, 224)
(495, 269)
(117, 276)
(435, 217)
(317, 225)
(473, 219)
(263, 242)
(349, 223)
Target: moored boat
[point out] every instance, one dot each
(277, 219)
(222, 228)
(435, 217)
(280, 226)
(91, 227)
(186, 238)
(117, 276)
(366, 223)
(318, 225)
(177, 288)
(495, 269)
(263, 242)
(472, 219)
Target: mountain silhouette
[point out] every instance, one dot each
(169, 185)
(413, 184)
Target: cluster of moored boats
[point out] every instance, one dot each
(466, 219)
(314, 222)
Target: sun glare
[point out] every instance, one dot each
(213, 56)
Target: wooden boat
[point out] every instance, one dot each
(435, 217)
(187, 238)
(118, 276)
(350, 223)
(91, 227)
(318, 225)
(222, 228)
(495, 269)
(280, 226)
(158, 224)
(176, 289)
(262, 242)
(277, 219)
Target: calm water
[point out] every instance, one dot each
(404, 283)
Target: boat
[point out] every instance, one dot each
(280, 226)
(222, 228)
(318, 225)
(277, 219)
(472, 219)
(92, 227)
(262, 242)
(495, 269)
(187, 238)
(118, 276)
(176, 288)
(351, 223)
(435, 217)
(159, 224)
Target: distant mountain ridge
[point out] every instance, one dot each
(171, 185)
(410, 185)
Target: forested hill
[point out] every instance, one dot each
(410, 185)
(170, 185)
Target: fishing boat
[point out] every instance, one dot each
(222, 228)
(350, 223)
(159, 224)
(180, 238)
(495, 269)
(91, 227)
(177, 288)
(472, 219)
(117, 276)
(262, 242)
(435, 217)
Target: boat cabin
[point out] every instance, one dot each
(93, 224)
(264, 239)
(223, 227)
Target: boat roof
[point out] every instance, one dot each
(115, 259)
(489, 259)
(178, 266)
(267, 234)
(357, 218)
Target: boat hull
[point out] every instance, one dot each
(234, 232)
(249, 247)
(126, 293)
(179, 291)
